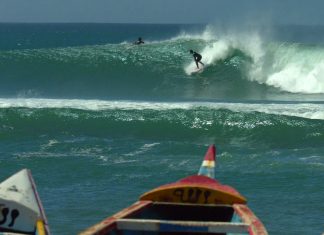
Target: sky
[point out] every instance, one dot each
(308, 12)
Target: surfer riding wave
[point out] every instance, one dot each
(197, 58)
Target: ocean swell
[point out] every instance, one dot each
(162, 68)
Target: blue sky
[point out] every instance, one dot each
(163, 11)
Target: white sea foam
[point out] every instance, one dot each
(304, 110)
(141, 150)
(299, 70)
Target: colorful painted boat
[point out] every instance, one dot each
(197, 204)
(21, 211)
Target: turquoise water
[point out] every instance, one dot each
(100, 121)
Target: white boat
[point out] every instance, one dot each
(21, 211)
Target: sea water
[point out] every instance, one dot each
(99, 121)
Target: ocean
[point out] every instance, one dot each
(99, 121)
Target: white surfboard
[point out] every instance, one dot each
(197, 70)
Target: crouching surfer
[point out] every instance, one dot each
(197, 58)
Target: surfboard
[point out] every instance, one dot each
(197, 70)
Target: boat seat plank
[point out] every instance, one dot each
(180, 226)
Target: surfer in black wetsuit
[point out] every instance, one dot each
(139, 41)
(197, 58)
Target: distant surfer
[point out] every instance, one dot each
(139, 41)
(197, 58)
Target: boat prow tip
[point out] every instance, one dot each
(211, 153)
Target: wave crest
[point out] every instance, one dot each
(233, 59)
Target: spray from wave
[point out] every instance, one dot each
(297, 68)
(291, 67)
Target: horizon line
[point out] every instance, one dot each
(146, 23)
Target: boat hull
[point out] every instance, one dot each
(147, 217)
(197, 204)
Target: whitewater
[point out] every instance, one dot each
(304, 110)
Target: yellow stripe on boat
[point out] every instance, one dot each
(208, 163)
(40, 227)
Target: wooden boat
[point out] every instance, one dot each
(197, 204)
(21, 211)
